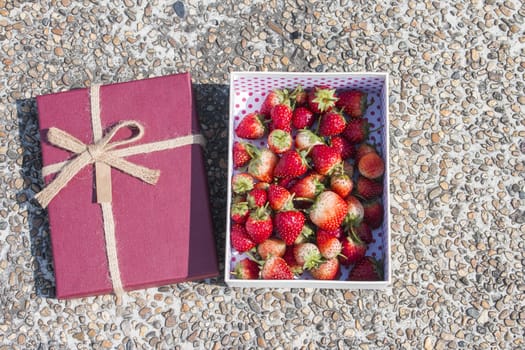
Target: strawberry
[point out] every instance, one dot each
(257, 197)
(289, 225)
(299, 96)
(240, 239)
(353, 250)
(241, 155)
(373, 213)
(307, 255)
(271, 246)
(276, 268)
(329, 245)
(281, 116)
(286, 182)
(246, 269)
(357, 130)
(355, 211)
(308, 187)
(279, 141)
(327, 270)
(302, 118)
(328, 211)
(324, 159)
(251, 127)
(363, 149)
(291, 164)
(259, 225)
(289, 257)
(343, 146)
(322, 99)
(242, 183)
(368, 189)
(341, 184)
(306, 139)
(371, 166)
(262, 164)
(274, 97)
(332, 123)
(239, 212)
(352, 102)
(366, 269)
(278, 196)
(364, 232)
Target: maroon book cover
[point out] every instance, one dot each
(163, 231)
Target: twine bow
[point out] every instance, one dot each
(105, 153)
(100, 151)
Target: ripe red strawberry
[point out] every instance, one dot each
(289, 225)
(278, 196)
(241, 155)
(343, 146)
(239, 212)
(289, 257)
(357, 130)
(328, 211)
(366, 269)
(322, 99)
(327, 270)
(352, 102)
(363, 149)
(371, 166)
(332, 123)
(302, 118)
(352, 251)
(329, 245)
(355, 211)
(280, 141)
(240, 239)
(286, 182)
(262, 164)
(276, 268)
(306, 139)
(272, 246)
(246, 269)
(368, 189)
(373, 213)
(291, 164)
(364, 232)
(341, 184)
(324, 159)
(259, 225)
(257, 197)
(251, 127)
(307, 255)
(274, 97)
(308, 187)
(242, 183)
(281, 116)
(299, 96)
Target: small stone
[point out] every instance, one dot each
(179, 9)
(428, 344)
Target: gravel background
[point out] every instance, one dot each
(457, 168)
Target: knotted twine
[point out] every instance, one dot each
(104, 154)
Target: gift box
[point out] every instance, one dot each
(248, 91)
(125, 187)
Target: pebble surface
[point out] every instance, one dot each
(457, 112)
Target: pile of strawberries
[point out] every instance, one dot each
(309, 200)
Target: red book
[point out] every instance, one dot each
(163, 231)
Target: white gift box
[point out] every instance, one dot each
(247, 93)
